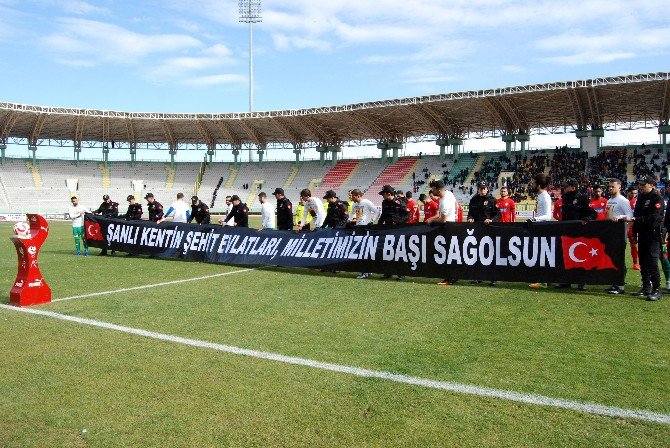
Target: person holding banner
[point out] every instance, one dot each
(181, 210)
(108, 209)
(647, 226)
(543, 207)
(364, 213)
(631, 195)
(239, 212)
(506, 206)
(284, 210)
(618, 209)
(313, 207)
(267, 212)
(483, 209)
(447, 212)
(338, 213)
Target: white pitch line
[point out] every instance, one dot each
(591, 408)
(135, 288)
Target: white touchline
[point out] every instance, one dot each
(173, 282)
(591, 408)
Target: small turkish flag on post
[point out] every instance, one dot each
(93, 231)
(585, 253)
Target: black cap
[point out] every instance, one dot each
(482, 184)
(105, 197)
(234, 198)
(387, 189)
(330, 194)
(646, 180)
(439, 184)
(572, 183)
(148, 195)
(278, 191)
(194, 198)
(130, 196)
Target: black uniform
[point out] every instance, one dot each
(134, 212)
(576, 207)
(284, 214)
(241, 215)
(337, 215)
(108, 209)
(393, 212)
(482, 208)
(155, 211)
(647, 226)
(200, 213)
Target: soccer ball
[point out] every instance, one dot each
(22, 230)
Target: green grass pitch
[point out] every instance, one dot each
(66, 384)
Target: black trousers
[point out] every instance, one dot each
(649, 250)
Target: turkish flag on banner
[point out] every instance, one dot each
(93, 231)
(585, 253)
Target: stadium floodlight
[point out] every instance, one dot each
(250, 12)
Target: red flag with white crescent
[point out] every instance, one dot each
(585, 253)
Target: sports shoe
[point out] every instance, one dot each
(86, 254)
(445, 282)
(667, 285)
(538, 286)
(615, 290)
(654, 296)
(636, 267)
(363, 275)
(641, 292)
(494, 283)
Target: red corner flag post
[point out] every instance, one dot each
(30, 288)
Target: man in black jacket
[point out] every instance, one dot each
(575, 208)
(240, 212)
(154, 207)
(108, 209)
(647, 227)
(134, 212)
(483, 206)
(199, 211)
(483, 209)
(393, 212)
(337, 214)
(284, 210)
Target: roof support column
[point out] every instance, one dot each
(173, 153)
(395, 146)
(210, 154)
(524, 139)
(105, 154)
(333, 152)
(297, 152)
(455, 143)
(260, 152)
(133, 154)
(3, 148)
(385, 151)
(590, 141)
(77, 153)
(508, 139)
(442, 143)
(322, 150)
(663, 131)
(33, 149)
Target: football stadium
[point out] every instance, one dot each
(353, 275)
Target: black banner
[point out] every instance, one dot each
(569, 252)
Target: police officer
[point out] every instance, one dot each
(647, 225)
(575, 207)
(108, 209)
(483, 209)
(393, 212)
(134, 212)
(199, 211)
(483, 206)
(239, 212)
(284, 210)
(338, 213)
(154, 207)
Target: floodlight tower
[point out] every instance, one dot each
(250, 12)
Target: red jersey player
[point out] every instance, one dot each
(430, 207)
(506, 206)
(412, 208)
(599, 203)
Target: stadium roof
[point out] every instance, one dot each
(611, 103)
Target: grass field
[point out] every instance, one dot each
(67, 384)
